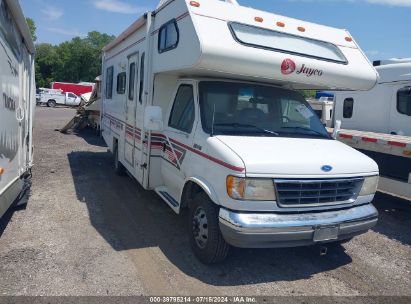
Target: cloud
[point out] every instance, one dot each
(66, 32)
(117, 6)
(392, 2)
(383, 2)
(53, 13)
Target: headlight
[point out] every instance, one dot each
(258, 189)
(370, 185)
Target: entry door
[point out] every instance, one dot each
(131, 132)
(179, 133)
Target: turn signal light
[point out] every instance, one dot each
(280, 24)
(1, 171)
(258, 19)
(195, 3)
(349, 39)
(301, 29)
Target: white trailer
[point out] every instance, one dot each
(52, 99)
(199, 104)
(17, 93)
(378, 123)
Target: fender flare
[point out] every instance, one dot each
(203, 184)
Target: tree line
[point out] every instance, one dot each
(71, 61)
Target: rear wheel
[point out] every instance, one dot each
(206, 239)
(51, 103)
(118, 166)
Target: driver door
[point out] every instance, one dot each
(179, 133)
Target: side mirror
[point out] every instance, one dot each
(337, 128)
(153, 118)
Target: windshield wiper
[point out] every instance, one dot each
(240, 125)
(309, 130)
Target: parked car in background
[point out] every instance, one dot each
(378, 123)
(51, 99)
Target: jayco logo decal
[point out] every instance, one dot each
(288, 66)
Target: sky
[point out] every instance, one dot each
(382, 28)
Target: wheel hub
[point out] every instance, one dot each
(200, 227)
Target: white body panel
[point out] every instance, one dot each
(17, 93)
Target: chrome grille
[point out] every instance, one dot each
(315, 192)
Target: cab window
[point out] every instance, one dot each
(182, 114)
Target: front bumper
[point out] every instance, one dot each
(267, 230)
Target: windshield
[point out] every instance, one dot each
(232, 108)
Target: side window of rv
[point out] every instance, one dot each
(404, 101)
(121, 83)
(348, 107)
(109, 82)
(131, 80)
(140, 93)
(168, 36)
(182, 114)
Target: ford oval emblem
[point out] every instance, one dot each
(326, 168)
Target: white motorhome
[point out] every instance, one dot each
(386, 108)
(199, 104)
(17, 93)
(378, 123)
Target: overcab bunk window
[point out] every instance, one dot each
(121, 83)
(109, 82)
(168, 36)
(285, 43)
(404, 101)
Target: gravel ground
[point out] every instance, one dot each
(87, 231)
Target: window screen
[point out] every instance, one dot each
(182, 114)
(404, 101)
(131, 80)
(109, 82)
(140, 93)
(348, 107)
(121, 83)
(168, 36)
(286, 43)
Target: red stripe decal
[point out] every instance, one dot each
(345, 136)
(213, 159)
(397, 144)
(368, 139)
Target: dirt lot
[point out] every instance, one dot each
(87, 231)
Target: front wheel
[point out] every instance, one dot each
(206, 239)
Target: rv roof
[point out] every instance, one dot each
(21, 24)
(396, 71)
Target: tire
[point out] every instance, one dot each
(51, 103)
(118, 166)
(207, 243)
